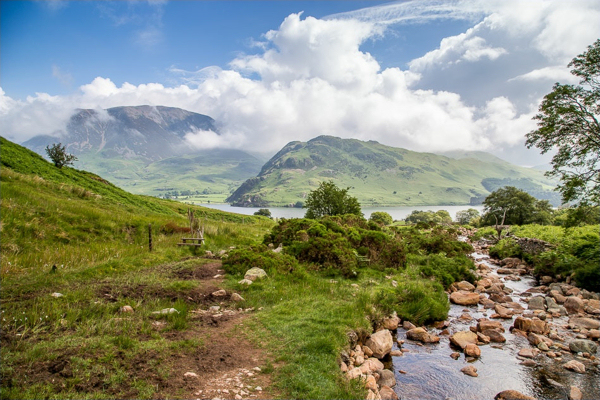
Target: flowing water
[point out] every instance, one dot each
(428, 372)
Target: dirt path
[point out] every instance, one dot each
(228, 366)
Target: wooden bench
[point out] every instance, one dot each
(192, 242)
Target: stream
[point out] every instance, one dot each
(427, 371)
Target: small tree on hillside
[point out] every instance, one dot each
(512, 206)
(328, 199)
(265, 212)
(59, 156)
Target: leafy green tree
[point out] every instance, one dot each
(381, 218)
(568, 121)
(265, 212)
(464, 217)
(328, 199)
(508, 206)
(438, 217)
(59, 156)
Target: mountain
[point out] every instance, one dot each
(380, 175)
(143, 149)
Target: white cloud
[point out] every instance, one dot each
(312, 78)
(557, 73)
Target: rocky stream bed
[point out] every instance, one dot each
(506, 337)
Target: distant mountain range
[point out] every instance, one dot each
(143, 150)
(380, 175)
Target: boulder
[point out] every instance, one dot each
(500, 298)
(463, 338)
(528, 352)
(593, 334)
(219, 293)
(531, 325)
(387, 393)
(558, 296)
(503, 312)
(587, 323)
(537, 303)
(255, 273)
(370, 365)
(574, 305)
(391, 322)
(583, 346)
(421, 335)
(245, 282)
(512, 395)
(576, 366)
(126, 309)
(464, 298)
(485, 324)
(469, 370)
(367, 350)
(575, 393)
(464, 285)
(354, 373)
(494, 335)
(380, 343)
(535, 339)
(510, 262)
(371, 395)
(387, 378)
(371, 383)
(472, 350)
(407, 325)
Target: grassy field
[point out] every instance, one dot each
(72, 233)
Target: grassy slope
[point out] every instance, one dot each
(219, 172)
(378, 174)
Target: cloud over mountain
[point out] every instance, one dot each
(477, 91)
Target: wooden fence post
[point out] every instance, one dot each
(150, 237)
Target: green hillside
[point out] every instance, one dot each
(207, 175)
(71, 217)
(380, 175)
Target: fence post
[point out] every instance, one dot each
(150, 237)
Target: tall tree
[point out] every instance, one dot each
(328, 199)
(568, 121)
(509, 206)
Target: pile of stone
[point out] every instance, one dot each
(363, 361)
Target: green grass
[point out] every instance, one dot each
(80, 345)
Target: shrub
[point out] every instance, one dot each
(419, 301)
(506, 247)
(381, 218)
(331, 254)
(443, 269)
(59, 156)
(241, 260)
(265, 212)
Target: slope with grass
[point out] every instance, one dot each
(378, 175)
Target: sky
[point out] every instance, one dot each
(424, 75)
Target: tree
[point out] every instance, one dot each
(512, 206)
(381, 218)
(265, 212)
(328, 199)
(59, 156)
(568, 121)
(464, 217)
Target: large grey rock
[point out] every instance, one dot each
(574, 305)
(387, 378)
(537, 303)
(583, 346)
(255, 273)
(380, 343)
(587, 323)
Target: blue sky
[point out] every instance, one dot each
(425, 75)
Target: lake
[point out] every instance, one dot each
(397, 213)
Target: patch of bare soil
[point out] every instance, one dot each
(202, 272)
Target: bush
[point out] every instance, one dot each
(59, 156)
(443, 269)
(331, 254)
(265, 212)
(506, 247)
(381, 218)
(241, 260)
(419, 301)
